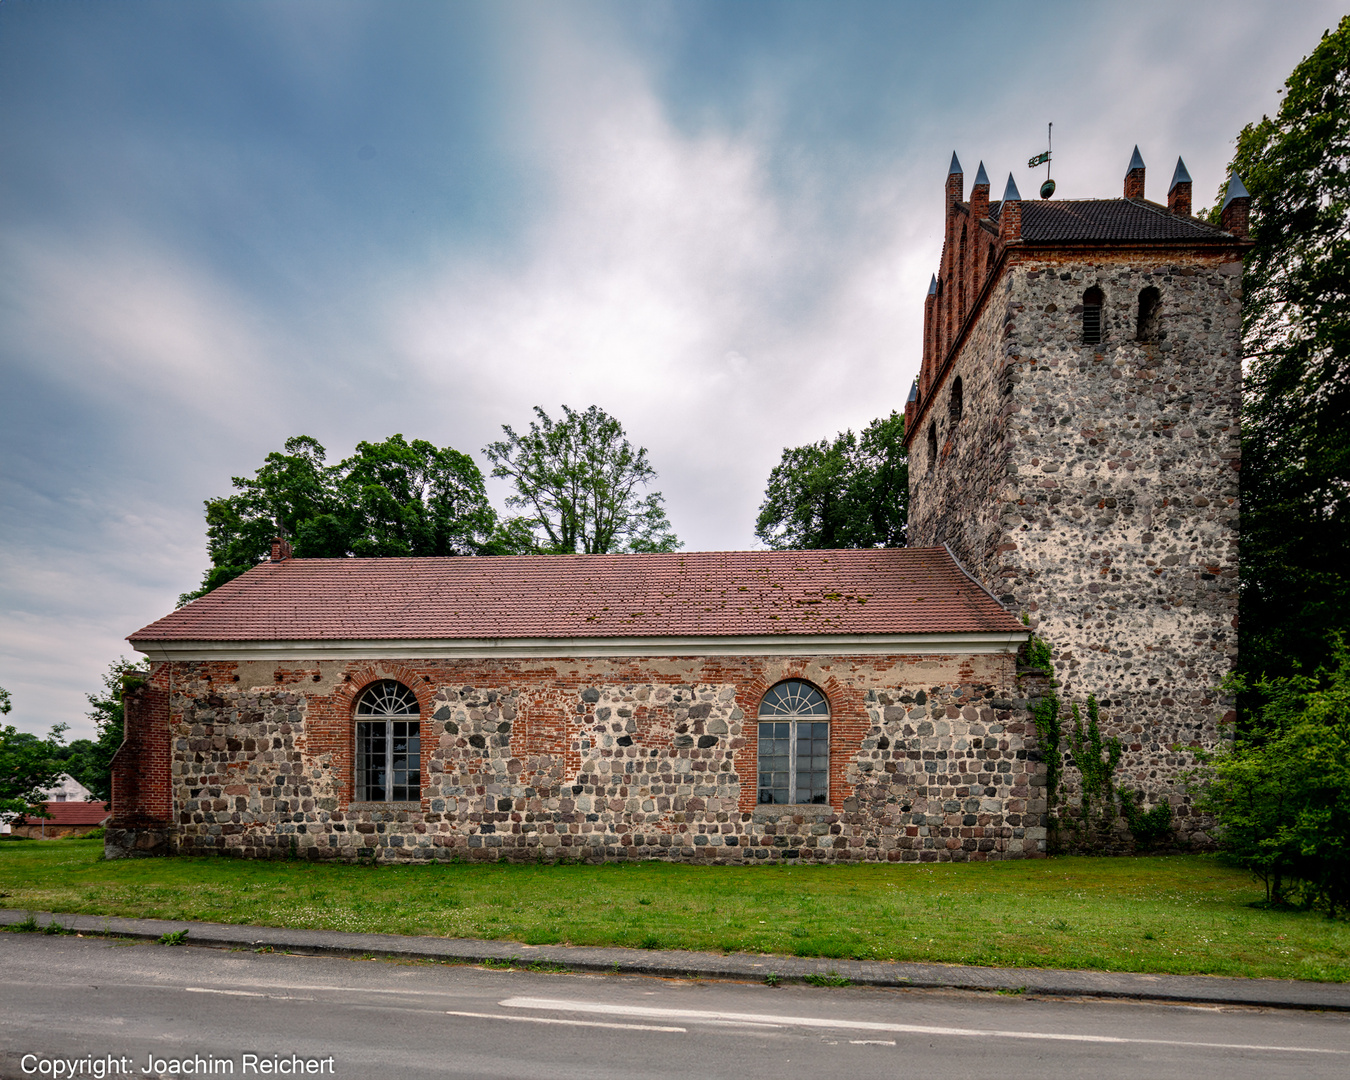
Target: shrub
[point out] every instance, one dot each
(1280, 790)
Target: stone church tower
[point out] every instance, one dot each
(1073, 438)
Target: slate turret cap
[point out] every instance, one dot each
(932, 286)
(1180, 176)
(1236, 190)
(1136, 162)
(1010, 193)
(913, 392)
(955, 166)
(981, 177)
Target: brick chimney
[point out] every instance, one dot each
(1010, 214)
(281, 549)
(979, 195)
(1237, 208)
(1179, 194)
(1134, 177)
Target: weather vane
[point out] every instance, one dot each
(1043, 158)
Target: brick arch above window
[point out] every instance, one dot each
(357, 681)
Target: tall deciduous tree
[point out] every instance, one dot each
(1296, 329)
(27, 766)
(579, 481)
(852, 492)
(401, 498)
(389, 498)
(90, 760)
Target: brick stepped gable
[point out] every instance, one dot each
(1093, 485)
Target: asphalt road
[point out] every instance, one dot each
(150, 1009)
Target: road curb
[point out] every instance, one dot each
(1042, 982)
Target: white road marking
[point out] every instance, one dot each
(648, 1012)
(324, 989)
(568, 1023)
(871, 1042)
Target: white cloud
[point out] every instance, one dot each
(671, 284)
(119, 313)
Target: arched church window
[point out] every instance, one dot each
(1150, 300)
(956, 403)
(794, 745)
(388, 744)
(932, 446)
(1093, 300)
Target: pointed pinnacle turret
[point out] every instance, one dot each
(1134, 177)
(1010, 193)
(1180, 176)
(1235, 214)
(1236, 190)
(981, 177)
(932, 286)
(955, 166)
(1179, 194)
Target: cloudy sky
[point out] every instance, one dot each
(225, 223)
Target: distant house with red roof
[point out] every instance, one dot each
(724, 706)
(65, 819)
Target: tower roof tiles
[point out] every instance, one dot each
(1126, 220)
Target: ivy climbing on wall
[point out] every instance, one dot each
(1101, 804)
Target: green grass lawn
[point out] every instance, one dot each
(1182, 914)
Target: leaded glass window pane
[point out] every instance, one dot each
(371, 761)
(388, 698)
(388, 750)
(794, 754)
(794, 698)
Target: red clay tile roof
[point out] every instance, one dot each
(72, 813)
(714, 593)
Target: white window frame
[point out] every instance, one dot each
(386, 702)
(786, 703)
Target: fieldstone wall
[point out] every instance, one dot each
(932, 758)
(1095, 487)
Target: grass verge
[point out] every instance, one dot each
(1178, 914)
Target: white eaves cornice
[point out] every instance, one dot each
(586, 648)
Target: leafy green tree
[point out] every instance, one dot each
(27, 766)
(90, 760)
(5, 703)
(401, 498)
(852, 492)
(389, 498)
(578, 480)
(289, 490)
(1280, 790)
(1296, 330)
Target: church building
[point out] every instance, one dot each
(1073, 455)
(1073, 438)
